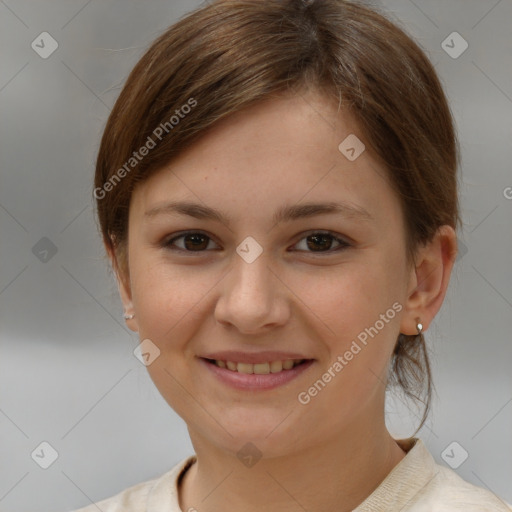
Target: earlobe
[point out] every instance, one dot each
(429, 280)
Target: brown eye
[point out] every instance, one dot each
(192, 242)
(322, 242)
(319, 242)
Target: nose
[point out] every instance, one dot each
(253, 299)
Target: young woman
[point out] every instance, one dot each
(276, 187)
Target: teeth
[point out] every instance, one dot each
(259, 368)
(245, 368)
(276, 366)
(262, 368)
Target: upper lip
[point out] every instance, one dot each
(252, 357)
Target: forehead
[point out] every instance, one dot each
(285, 150)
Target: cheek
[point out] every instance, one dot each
(350, 297)
(165, 296)
(168, 301)
(359, 307)
(362, 312)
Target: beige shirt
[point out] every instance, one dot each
(416, 484)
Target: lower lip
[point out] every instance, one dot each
(253, 381)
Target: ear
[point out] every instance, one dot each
(124, 287)
(429, 280)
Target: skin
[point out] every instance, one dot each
(333, 452)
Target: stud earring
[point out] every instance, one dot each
(127, 316)
(419, 326)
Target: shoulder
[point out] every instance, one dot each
(449, 492)
(441, 489)
(131, 499)
(159, 492)
(419, 484)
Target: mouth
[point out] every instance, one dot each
(258, 376)
(258, 368)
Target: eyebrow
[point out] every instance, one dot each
(283, 214)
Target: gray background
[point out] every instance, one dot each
(67, 372)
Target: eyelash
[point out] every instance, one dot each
(344, 244)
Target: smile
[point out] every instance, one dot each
(259, 376)
(258, 368)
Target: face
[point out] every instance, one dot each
(242, 285)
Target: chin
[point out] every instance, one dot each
(251, 435)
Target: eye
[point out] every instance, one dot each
(196, 241)
(193, 241)
(321, 241)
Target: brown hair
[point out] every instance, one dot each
(228, 55)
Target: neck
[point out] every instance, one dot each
(334, 474)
